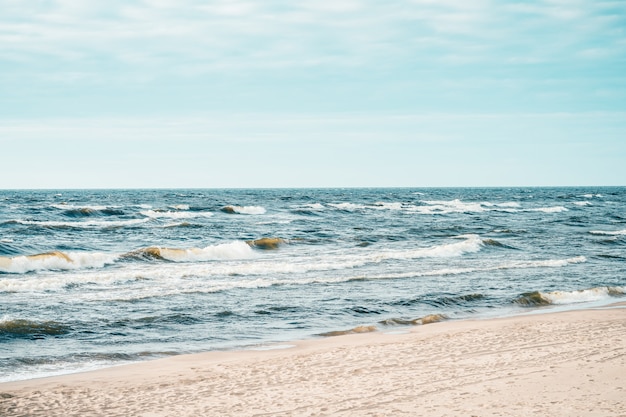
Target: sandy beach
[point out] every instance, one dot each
(557, 364)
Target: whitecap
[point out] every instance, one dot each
(156, 214)
(608, 233)
(582, 296)
(65, 206)
(54, 261)
(233, 250)
(244, 209)
(180, 207)
(311, 206)
(557, 209)
(347, 206)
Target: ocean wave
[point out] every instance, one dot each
(457, 206)
(311, 206)
(431, 318)
(65, 206)
(311, 209)
(6, 247)
(70, 210)
(224, 251)
(443, 207)
(81, 224)
(546, 263)
(180, 207)
(538, 298)
(157, 214)
(54, 261)
(608, 233)
(496, 244)
(356, 330)
(556, 209)
(62, 261)
(243, 209)
(267, 243)
(16, 328)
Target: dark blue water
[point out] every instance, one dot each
(93, 278)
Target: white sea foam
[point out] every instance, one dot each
(582, 203)
(450, 206)
(246, 209)
(157, 214)
(388, 206)
(180, 207)
(315, 207)
(430, 207)
(547, 263)
(582, 296)
(608, 233)
(239, 260)
(271, 274)
(348, 206)
(233, 250)
(312, 206)
(65, 206)
(55, 261)
(557, 209)
(56, 281)
(172, 279)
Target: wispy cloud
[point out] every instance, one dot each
(241, 34)
(312, 54)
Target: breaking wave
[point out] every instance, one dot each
(157, 214)
(53, 261)
(244, 210)
(442, 207)
(59, 261)
(88, 211)
(608, 233)
(224, 251)
(538, 298)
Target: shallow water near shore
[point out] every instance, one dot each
(93, 278)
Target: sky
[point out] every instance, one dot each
(312, 93)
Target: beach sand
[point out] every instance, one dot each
(556, 364)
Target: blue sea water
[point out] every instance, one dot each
(92, 278)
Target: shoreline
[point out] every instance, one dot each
(555, 363)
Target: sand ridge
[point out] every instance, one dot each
(557, 364)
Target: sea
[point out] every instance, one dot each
(97, 278)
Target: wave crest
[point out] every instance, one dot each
(243, 210)
(30, 328)
(538, 298)
(224, 251)
(608, 233)
(266, 243)
(54, 261)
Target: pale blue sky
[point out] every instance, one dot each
(237, 93)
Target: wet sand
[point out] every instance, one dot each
(557, 364)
